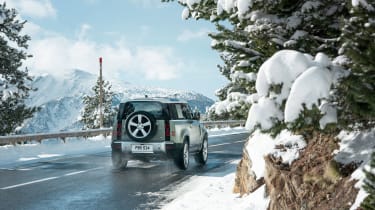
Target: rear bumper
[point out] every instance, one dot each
(161, 150)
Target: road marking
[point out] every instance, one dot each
(28, 183)
(216, 145)
(48, 179)
(74, 173)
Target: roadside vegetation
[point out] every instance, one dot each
(335, 36)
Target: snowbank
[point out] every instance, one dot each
(213, 191)
(356, 147)
(52, 148)
(261, 144)
(226, 131)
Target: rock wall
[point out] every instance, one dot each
(246, 180)
(314, 181)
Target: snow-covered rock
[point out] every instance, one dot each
(356, 147)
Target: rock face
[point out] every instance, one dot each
(314, 181)
(246, 180)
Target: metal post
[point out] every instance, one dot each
(100, 94)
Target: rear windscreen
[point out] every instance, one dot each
(154, 108)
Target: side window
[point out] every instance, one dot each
(179, 111)
(186, 112)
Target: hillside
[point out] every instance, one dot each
(60, 99)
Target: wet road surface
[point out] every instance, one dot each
(89, 182)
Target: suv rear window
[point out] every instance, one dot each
(155, 108)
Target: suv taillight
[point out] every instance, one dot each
(167, 131)
(118, 133)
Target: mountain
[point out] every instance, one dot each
(60, 99)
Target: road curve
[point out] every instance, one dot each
(89, 182)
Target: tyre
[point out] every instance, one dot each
(117, 161)
(140, 126)
(201, 157)
(182, 156)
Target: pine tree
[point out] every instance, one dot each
(250, 35)
(91, 112)
(369, 186)
(357, 90)
(14, 83)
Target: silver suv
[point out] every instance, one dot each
(158, 128)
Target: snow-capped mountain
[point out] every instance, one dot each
(60, 99)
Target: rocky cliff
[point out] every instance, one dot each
(313, 181)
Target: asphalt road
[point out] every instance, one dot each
(89, 182)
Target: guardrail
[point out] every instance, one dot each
(208, 124)
(14, 139)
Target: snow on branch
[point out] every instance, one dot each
(305, 82)
(241, 46)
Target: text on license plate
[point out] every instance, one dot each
(142, 148)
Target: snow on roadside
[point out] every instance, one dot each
(261, 144)
(226, 131)
(356, 147)
(214, 191)
(10, 154)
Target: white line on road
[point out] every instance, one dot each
(28, 183)
(216, 145)
(48, 178)
(75, 173)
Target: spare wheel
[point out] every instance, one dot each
(140, 126)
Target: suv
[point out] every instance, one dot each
(158, 128)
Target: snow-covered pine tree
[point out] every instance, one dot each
(14, 82)
(369, 186)
(249, 32)
(91, 111)
(358, 89)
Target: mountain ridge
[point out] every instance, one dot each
(60, 99)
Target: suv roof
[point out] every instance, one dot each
(159, 99)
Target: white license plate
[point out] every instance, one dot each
(142, 148)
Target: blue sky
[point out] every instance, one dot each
(144, 42)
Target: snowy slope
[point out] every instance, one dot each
(60, 99)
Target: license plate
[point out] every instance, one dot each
(142, 148)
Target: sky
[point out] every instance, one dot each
(143, 42)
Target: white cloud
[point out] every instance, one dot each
(83, 31)
(155, 63)
(188, 35)
(31, 29)
(57, 54)
(33, 8)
